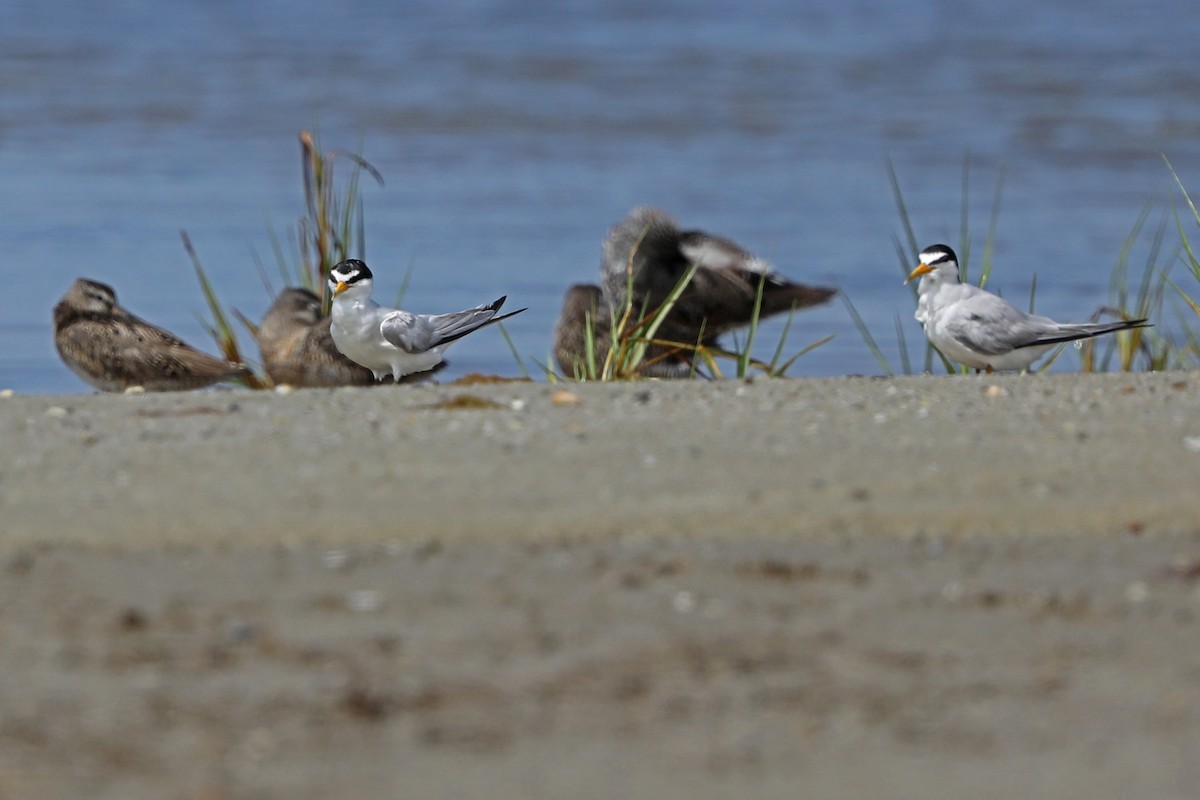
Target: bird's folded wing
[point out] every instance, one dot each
(412, 333)
(416, 333)
(992, 334)
(448, 327)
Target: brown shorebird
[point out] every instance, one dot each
(649, 253)
(114, 350)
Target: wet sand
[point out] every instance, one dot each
(919, 587)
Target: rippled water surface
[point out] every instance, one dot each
(512, 135)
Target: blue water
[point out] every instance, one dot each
(512, 135)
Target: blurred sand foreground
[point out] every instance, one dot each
(920, 587)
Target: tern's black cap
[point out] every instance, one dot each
(351, 271)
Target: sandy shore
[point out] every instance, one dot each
(919, 587)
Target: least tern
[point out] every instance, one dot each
(982, 330)
(389, 341)
(113, 350)
(649, 251)
(297, 348)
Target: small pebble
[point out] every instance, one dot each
(241, 631)
(364, 600)
(335, 559)
(564, 398)
(684, 602)
(260, 744)
(1137, 592)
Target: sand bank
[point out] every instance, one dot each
(1068, 454)
(982, 587)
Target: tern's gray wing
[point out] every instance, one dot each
(989, 324)
(1085, 330)
(412, 333)
(416, 333)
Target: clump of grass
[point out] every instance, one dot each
(1140, 348)
(634, 348)
(219, 329)
(513, 349)
(331, 230)
(634, 338)
(1189, 353)
(776, 367)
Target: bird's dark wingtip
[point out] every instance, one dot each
(506, 316)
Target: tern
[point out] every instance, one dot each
(982, 330)
(389, 341)
(114, 351)
(297, 348)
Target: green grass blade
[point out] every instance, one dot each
(905, 364)
(913, 247)
(223, 330)
(513, 348)
(989, 242)
(783, 336)
(781, 370)
(865, 333)
(964, 226)
(744, 359)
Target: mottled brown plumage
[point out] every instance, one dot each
(650, 246)
(297, 349)
(644, 258)
(114, 350)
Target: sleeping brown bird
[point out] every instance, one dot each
(114, 350)
(649, 253)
